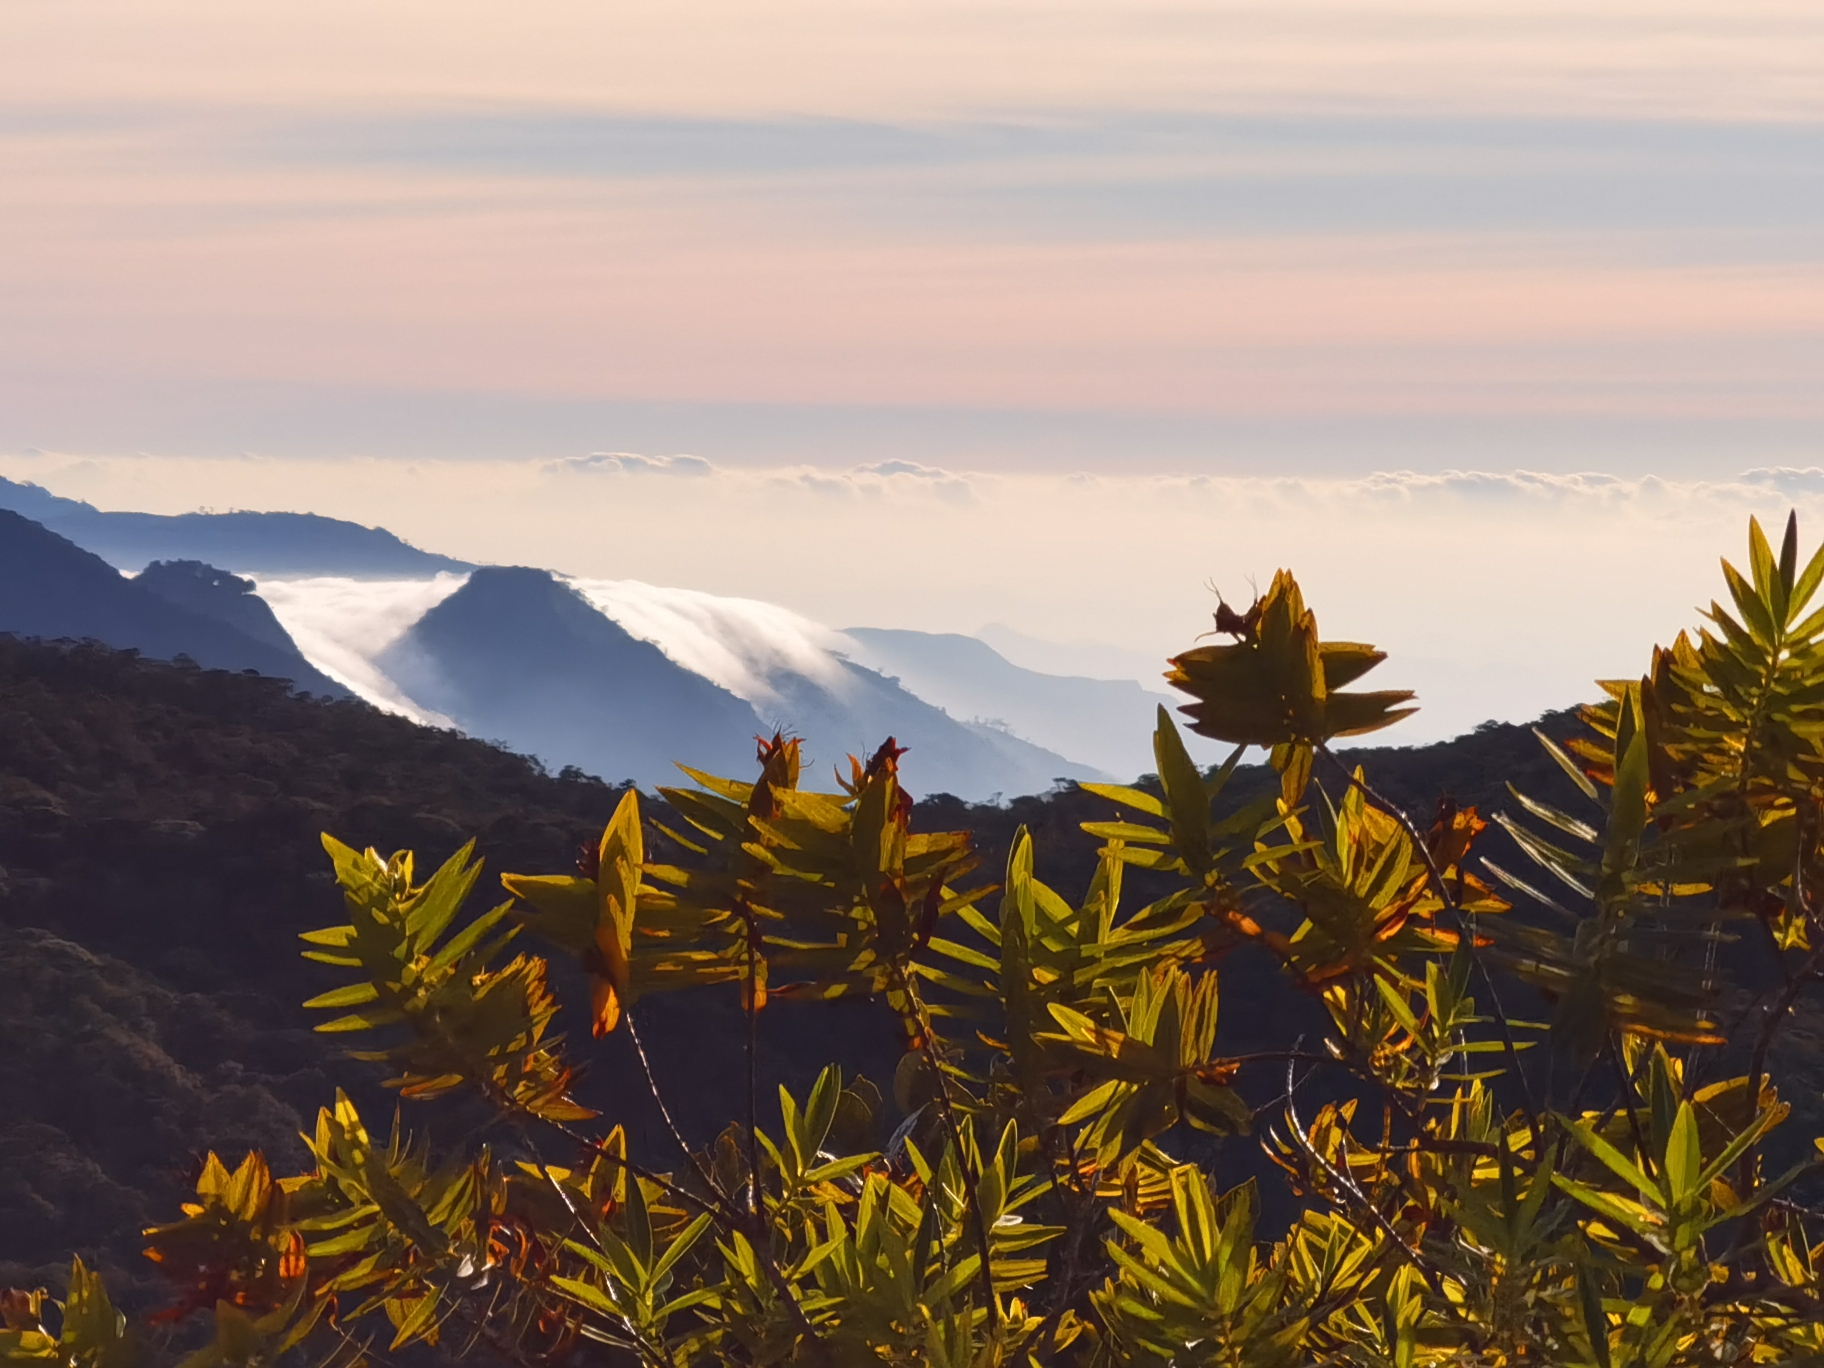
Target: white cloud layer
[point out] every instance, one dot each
(342, 624)
(741, 644)
(1498, 594)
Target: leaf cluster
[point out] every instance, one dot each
(1473, 1188)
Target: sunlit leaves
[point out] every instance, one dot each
(1278, 684)
(1063, 1048)
(1149, 1068)
(454, 1016)
(594, 916)
(85, 1331)
(233, 1244)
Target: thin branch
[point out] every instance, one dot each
(1625, 1099)
(713, 1206)
(964, 1163)
(756, 1190)
(1777, 1010)
(1079, 1222)
(1466, 931)
(732, 1221)
(658, 1098)
(1270, 1056)
(1347, 1185)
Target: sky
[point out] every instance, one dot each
(1494, 320)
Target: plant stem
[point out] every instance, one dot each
(756, 1191)
(1466, 931)
(658, 1098)
(732, 1221)
(964, 1163)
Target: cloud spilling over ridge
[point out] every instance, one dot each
(742, 644)
(1496, 593)
(342, 624)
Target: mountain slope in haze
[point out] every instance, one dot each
(518, 656)
(857, 709)
(1103, 723)
(217, 594)
(1074, 659)
(248, 543)
(800, 678)
(50, 587)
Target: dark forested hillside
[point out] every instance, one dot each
(159, 855)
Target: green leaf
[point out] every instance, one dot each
(1566, 823)
(441, 897)
(1618, 1164)
(1769, 584)
(353, 995)
(1809, 578)
(589, 1295)
(1126, 831)
(1763, 1122)
(1133, 797)
(418, 1323)
(363, 1021)
(1628, 805)
(1636, 1217)
(679, 1247)
(1684, 1159)
(1583, 781)
(1755, 614)
(345, 1243)
(1595, 1321)
(464, 940)
(1184, 792)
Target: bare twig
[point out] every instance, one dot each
(1346, 1184)
(658, 1098)
(965, 1163)
(1465, 925)
(1625, 1100)
(1079, 1222)
(756, 1191)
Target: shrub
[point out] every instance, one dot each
(1608, 1187)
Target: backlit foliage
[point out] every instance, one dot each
(1614, 1184)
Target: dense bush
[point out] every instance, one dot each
(1618, 1183)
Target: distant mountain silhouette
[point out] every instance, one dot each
(51, 588)
(249, 543)
(860, 708)
(803, 679)
(1106, 723)
(517, 656)
(216, 593)
(575, 688)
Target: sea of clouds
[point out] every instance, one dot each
(1497, 593)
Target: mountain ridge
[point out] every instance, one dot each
(1100, 723)
(241, 541)
(518, 655)
(50, 587)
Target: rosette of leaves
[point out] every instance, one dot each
(1281, 687)
(462, 1019)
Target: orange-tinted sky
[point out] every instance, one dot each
(1326, 237)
